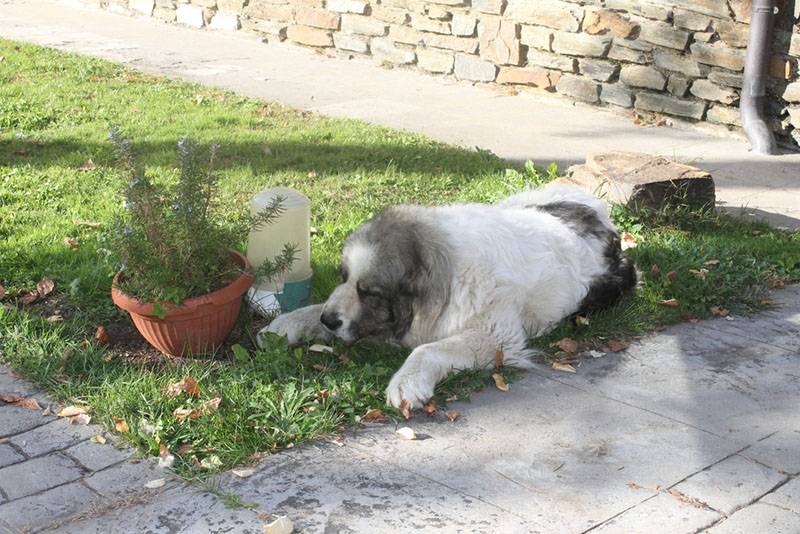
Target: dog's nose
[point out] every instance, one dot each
(331, 320)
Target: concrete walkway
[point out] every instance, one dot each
(523, 127)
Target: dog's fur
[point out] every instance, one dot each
(457, 283)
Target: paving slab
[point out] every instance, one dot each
(325, 488)
(708, 379)
(759, 518)
(14, 420)
(9, 455)
(669, 513)
(786, 496)
(57, 434)
(181, 510)
(127, 479)
(520, 127)
(780, 451)
(44, 509)
(10, 385)
(97, 456)
(39, 474)
(731, 484)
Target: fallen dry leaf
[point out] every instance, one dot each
(243, 472)
(430, 407)
(672, 275)
(101, 335)
(64, 359)
(71, 242)
(2, 292)
(627, 240)
(616, 345)
(321, 348)
(719, 311)
(344, 358)
(80, 419)
(581, 320)
(319, 367)
(374, 416)
(71, 411)
(655, 270)
(29, 298)
(56, 317)
(567, 344)
(282, 525)
(23, 152)
(211, 462)
(98, 438)
(499, 356)
(156, 483)
(88, 165)
(699, 273)
(563, 367)
(47, 411)
(711, 262)
(312, 174)
(500, 382)
(634, 485)
(452, 416)
(45, 286)
(120, 425)
(669, 303)
(29, 403)
(406, 433)
(198, 99)
(188, 385)
(687, 499)
(207, 407)
(405, 409)
(185, 449)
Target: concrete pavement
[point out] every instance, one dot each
(528, 126)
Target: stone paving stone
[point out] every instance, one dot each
(757, 519)
(39, 474)
(52, 437)
(731, 484)
(14, 420)
(42, 510)
(125, 479)
(178, 511)
(780, 451)
(729, 385)
(670, 514)
(97, 456)
(8, 455)
(338, 489)
(787, 496)
(13, 386)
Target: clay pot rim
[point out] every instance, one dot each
(189, 306)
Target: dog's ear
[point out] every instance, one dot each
(429, 281)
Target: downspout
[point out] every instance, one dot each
(753, 84)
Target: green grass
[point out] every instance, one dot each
(55, 112)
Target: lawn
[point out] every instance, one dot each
(55, 114)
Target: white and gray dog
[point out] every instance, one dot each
(457, 283)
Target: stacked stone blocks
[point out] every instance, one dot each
(679, 58)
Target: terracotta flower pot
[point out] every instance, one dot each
(199, 324)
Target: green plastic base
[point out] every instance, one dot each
(295, 295)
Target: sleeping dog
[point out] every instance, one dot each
(457, 283)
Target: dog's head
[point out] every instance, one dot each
(393, 267)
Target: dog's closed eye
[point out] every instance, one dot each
(364, 291)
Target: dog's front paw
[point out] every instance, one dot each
(412, 385)
(287, 326)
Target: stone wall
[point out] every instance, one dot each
(677, 58)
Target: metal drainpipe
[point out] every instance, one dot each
(753, 85)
